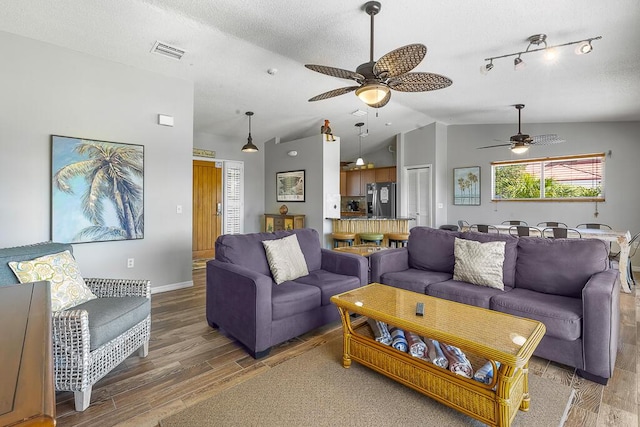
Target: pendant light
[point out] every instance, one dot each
(360, 161)
(249, 147)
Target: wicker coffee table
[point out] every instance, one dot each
(481, 333)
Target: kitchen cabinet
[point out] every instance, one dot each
(343, 183)
(353, 183)
(386, 174)
(277, 222)
(366, 176)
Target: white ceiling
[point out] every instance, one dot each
(230, 45)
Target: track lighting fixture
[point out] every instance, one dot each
(249, 147)
(550, 52)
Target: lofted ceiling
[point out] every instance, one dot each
(231, 44)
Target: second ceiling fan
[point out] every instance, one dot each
(376, 78)
(520, 142)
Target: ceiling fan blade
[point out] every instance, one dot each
(546, 139)
(336, 72)
(334, 92)
(419, 82)
(493, 146)
(400, 61)
(382, 103)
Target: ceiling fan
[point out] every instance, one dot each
(520, 142)
(392, 71)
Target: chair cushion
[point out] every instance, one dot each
(413, 279)
(61, 271)
(113, 316)
(510, 252)
(464, 292)
(479, 263)
(289, 298)
(25, 253)
(561, 315)
(330, 284)
(431, 249)
(285, 258)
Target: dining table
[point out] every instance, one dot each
(620, 237)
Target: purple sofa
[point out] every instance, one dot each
(564, 283)
(245, 302)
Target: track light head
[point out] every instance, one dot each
(486, 68)
(519, 64)
(584, 48)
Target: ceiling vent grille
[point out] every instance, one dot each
(167, 50)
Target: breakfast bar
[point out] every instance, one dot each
(381, 225)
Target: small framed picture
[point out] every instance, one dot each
(466, 186)
(290, 186)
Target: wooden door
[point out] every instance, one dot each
(207, 208)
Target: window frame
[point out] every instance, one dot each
(542, 161)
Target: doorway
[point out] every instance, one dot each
(207, 208)
(419, 195)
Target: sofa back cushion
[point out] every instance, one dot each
(510, 252)
(559, 266)
(26, 253)
(247, 250)
(432, 249)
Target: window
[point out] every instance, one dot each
(568, 178)
(233, 197)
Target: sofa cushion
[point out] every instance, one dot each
(510, 252)
(289, 298)
(61, 271)
(431, 249)
(111, 317)
(464, 292)
(479, 263)
(413, 279)
(559, 266)
(24, 253)
(329, 283)
(285, 258)
(561, 315)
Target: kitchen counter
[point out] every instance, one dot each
(371, 218)
(381, 225)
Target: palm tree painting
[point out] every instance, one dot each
(466, 186)
(97, 190)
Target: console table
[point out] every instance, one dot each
(27, 396)
(277, 222)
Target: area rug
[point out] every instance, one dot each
(314, 389)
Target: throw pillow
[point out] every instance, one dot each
(285, 258)
(67, 285)
(479, 263)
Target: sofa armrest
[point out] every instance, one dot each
(388, 261)
(601, 322)
(71, 348)
(239, 301)
(345, 263)
(103, 288)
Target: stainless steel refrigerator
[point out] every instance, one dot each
(381, 199)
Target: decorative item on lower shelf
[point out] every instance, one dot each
(284, 209)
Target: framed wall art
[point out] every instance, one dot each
(466, 186)
(97, 190)
(290, 186)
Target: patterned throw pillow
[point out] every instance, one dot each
(67, 285)
(285, 258)
(479, 263)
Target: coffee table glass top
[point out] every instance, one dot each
(499, 336)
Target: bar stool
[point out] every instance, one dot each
(398, 239)
(347, 238)
(371, 238)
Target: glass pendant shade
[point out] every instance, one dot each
(372, 93)
(360, 161)
(519, 148)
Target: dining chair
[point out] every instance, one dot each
(484, 228)
(514, 222)
(552, 224)
(594, 225)
(559, 232)
(615, 257)
(523, 231)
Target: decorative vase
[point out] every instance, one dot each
(284, 209)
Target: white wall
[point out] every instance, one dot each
(47, 90)
(622, 206)
(253, 173)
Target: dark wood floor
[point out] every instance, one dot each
(188, 362)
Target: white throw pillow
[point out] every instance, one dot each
(285, 258)
(61, 270)
(479, 263)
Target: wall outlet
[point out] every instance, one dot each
(130, 263)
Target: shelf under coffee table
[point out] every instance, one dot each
(487, 334)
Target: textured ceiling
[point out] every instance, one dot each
(230, 45)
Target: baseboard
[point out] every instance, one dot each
(171, 287)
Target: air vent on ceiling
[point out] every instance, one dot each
(359, 113)
(167, 50)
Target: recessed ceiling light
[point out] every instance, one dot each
(359, 113)
(272, 71)
(388, 124)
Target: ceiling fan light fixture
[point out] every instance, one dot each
(519, 148)
(249, 147)
(372, 93)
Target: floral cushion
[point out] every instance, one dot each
(61, 270)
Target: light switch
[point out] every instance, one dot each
(179, 209)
